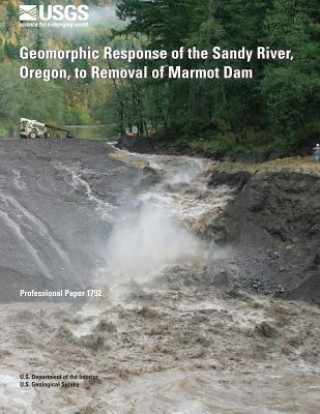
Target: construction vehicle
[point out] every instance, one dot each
(30, 128)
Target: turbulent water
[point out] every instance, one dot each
(163, 338)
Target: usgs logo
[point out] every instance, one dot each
(57, 13)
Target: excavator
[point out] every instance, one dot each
(32, 129)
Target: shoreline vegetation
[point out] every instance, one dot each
(253, 164)
(273, 114)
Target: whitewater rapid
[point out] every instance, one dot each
(163, 338)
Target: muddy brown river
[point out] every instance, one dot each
(170, 333)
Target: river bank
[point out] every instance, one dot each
(221, 148)
(272, 223)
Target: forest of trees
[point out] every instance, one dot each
(55, 102)
(278, 109)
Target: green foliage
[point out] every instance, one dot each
(11, 88)
(77, 116)
(28, 99)
(278, 109)
(42, 101)
(291, 92)
(54, 102)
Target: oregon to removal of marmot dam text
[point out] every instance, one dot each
(167, 71)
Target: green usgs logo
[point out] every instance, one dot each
(58, 13)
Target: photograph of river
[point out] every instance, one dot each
(160, 235)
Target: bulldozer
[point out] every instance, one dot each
(32, 129)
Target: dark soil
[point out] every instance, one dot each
(274, 225)
(53, 195)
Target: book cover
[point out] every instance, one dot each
(159, 206)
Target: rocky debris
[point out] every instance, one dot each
(308, 290)
(137, 144)
(235, 180)
(274, 224)
(223, 278)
